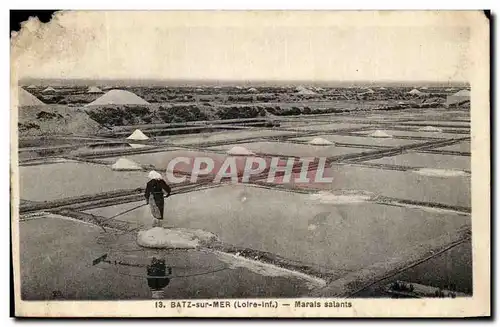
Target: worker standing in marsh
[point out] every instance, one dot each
(154, 196)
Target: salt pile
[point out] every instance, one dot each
(125, 164)
(440, 172)
(239, 151)
(430, 129)
(458, 98)
(305, 91)
(415, 92)
(379, 133)
(28, 99)
(319, 141)
(94, 89)
(49, 90)
(138, 135)
(462, 93)
(344, 197)
(178, 238)
(119, 97)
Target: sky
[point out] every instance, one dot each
(123, 45)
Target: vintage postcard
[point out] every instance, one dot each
(251, 164)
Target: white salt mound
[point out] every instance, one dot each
(462, 93)
(49, 90)
(327, 197)
(125, 164)
(178, 238)
(440, 172)
(305, 91)
(138, 135)
(415, 92)
(239, 151)
(430, 129)
(119, 97)
(28, 99)
(379, 133)
(319, 141)
(94, 89)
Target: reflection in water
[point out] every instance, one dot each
(127, 258)
(106, 146)
(157, 277)
(102, 147)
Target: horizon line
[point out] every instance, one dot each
(25, 79)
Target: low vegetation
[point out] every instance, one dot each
(179, 113)
(186, 104)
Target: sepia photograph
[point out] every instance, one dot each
(246, 163)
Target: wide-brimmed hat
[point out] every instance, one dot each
(154, 175)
